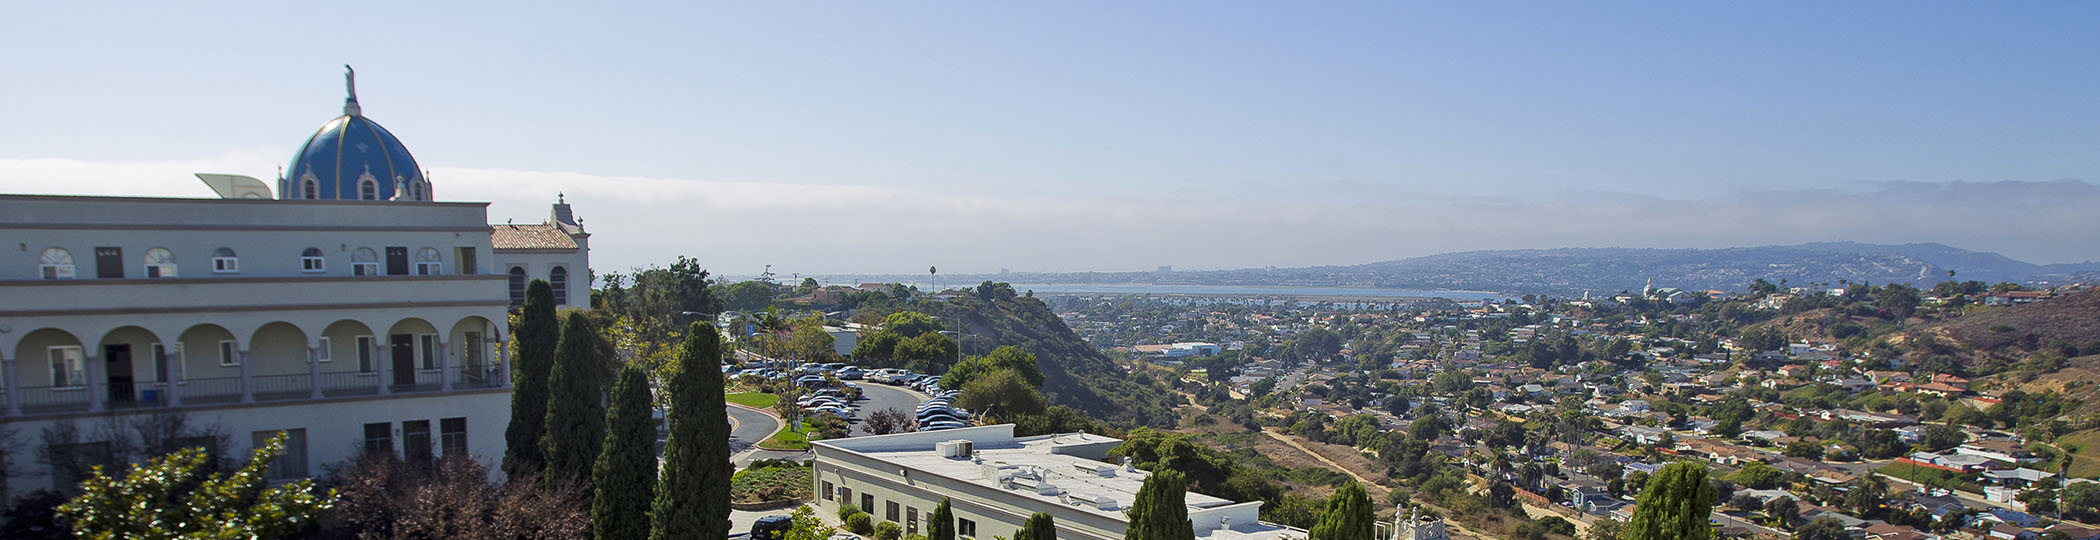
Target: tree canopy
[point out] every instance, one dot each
(169, 498)
(1675, 506)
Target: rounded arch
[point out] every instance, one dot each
(55, 263)
(473, 344)
(517, 285)
(278, 348)
(210, 350)
(347, 345)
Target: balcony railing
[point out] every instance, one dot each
(49, 400)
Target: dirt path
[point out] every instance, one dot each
(1360, 480)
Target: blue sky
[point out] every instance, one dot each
(877, 137)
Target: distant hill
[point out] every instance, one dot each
(1989, 340)
(1571, 271)
(1075, 374)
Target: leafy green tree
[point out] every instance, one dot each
(692, 498)
(941, 525)
(1823, 528)
(1161, 510)
(625, 475)
(1675, 506)
(1758, 475)
(1804, 449)
(910, 324)
(1040, 526)
(927, 353)
(1783, 511)
(1348, 515)
(1604, 529)
(575, 408)
(804, 525)
(533, 338)
(170, 497)
(746, 296)
(1006, 357)
(1002, 393)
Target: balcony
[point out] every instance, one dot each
(34, 401)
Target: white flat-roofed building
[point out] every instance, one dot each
(995, 480)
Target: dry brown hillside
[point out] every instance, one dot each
(1991, 340)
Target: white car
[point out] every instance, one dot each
(944, 424)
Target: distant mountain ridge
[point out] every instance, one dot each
(1572, 271)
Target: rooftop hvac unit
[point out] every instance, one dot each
(955, 449)
(1047, 488)
(1105, 503)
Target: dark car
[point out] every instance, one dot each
(771, 528)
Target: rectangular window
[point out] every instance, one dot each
(965, 528)
(313, 264)
(911, 521)
(160, 270)
(415, 441)
(225, 265)
(889, 511)
(291, 463)
(364, 269)
(867, 503)
(327, 351)
(364, 354)
(68, 368)
(428, 349)
(109, 262)
(55, 271)
(826, 492)
(430, 268)
(464, 262)
(452, 436)
(228, 355)
(379, 438)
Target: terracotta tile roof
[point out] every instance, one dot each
(539, 236)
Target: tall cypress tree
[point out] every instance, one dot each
(1039, 527)
(533, 340)
(576, 405)
(1675, 506)
(625, 476)
(693, 499)
(1161, 511)
(1348, 516)
(941, 525)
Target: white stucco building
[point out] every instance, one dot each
(995, 480)
(347, 321)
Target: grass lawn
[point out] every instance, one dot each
(1930, 476)
(771, 483)
(788, 439)
(2088, 463)
(754, 399)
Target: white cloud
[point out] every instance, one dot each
(737, 227)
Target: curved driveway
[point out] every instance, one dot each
(882, 396)
(748, 427)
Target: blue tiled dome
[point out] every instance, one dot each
(353, 158)
(347, 150)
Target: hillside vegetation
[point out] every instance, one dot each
(2037, 338)
(1075, 374)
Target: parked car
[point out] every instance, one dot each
(852, 373)
(937, 426)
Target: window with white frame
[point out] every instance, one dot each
(55, 263)
(68, 367)
(452, 436)
(558, 279)
(327, 351)
(223, 261)
(229, 353)
(364, 354)
(311, 260)
(429, 262)
(367, 189)
(427, 348)
(160, 263)
(311, 188)
(965, 528)
(364, 262)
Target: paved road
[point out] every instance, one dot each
(882, 396)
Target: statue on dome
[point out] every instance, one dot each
(350, 81)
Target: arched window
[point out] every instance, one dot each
(428, 262)
(415, 190)
(223, 261)
(55, 263)
(364, 262)
(559, 279)
(160, 263)
(310, 188)
(517, 286)
(311, 260)
(367, 189)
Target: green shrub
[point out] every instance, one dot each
(847, 510)
(888, 530)
(860, 523)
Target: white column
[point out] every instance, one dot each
(174, 370)
(247, 390)
(313, 370)
(386, 368)
(14, 388)
(444, 366)
(98, 384)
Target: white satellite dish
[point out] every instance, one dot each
(234, 186)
